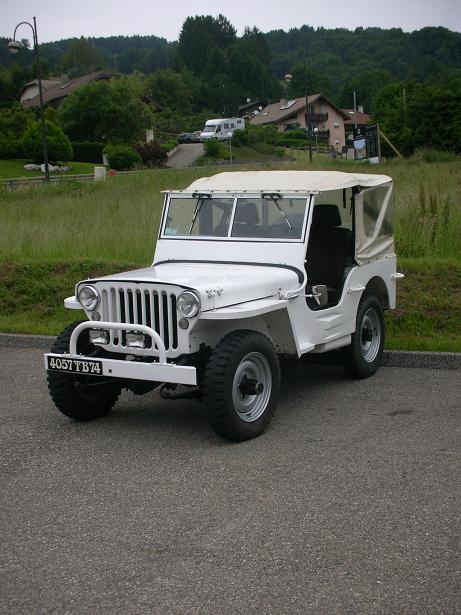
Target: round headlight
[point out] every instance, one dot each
(188, 304)
(88, 297)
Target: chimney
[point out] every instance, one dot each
(360, 108)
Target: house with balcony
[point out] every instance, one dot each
(320, 112)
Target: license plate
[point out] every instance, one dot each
(75, 366)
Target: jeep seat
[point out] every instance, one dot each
(328, 247)
(246, 221)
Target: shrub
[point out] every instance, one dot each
(88, 151)
(240, 137)
(10, 147)
(59, 146)
(424, 154)
(122, 157)
(169, 144)
(152, 154)
(212, 148)
(287, 142)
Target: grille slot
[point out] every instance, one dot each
(153, 307)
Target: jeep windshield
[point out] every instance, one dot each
(270, 217)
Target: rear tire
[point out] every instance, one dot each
(241, 385)
(364, 355)
(80, 397)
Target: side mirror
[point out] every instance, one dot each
(320, 294)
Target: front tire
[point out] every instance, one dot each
(364, 354)
(80, 397)
(241, 385)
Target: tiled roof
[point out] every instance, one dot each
(284, 109)
(362, 118)
(64, 88)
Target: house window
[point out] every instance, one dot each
(226, 125)
(336, 124)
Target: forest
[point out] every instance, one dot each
(212, 70)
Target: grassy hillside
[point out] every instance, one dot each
(52, 236)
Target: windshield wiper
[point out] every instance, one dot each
(198, 207)
(274, 197)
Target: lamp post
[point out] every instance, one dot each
(316, 133)
(14, 46)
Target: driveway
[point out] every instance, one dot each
(349, 504)
(185, 155)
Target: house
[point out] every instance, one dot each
(30, 90)
(322, 114)
(248, 109)
(55, 95)
(357, 117)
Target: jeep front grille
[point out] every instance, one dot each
(141, 304)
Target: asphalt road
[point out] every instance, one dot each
(186, 154)
(349, 504)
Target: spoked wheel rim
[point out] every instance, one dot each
(370, 335)
(251, 387)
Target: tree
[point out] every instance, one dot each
(366, 86)
(81, 58)
(59, 146)
(428, 116)
(199, 35)
(103, 111)
(304, 77)
(171, 89)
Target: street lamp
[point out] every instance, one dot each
(14, 46)
(316, 133)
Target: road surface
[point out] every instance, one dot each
(349, 504)
(185, 155)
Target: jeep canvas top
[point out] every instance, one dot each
(249, 267)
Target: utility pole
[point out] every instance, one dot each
(307, 113)
(355, 111)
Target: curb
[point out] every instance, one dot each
(392, 358)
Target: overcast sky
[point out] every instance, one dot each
(60, 19)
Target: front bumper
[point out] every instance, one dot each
(160, 371)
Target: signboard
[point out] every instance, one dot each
(372, 141)
(366, 143)
(360, 146)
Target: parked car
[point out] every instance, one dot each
(249, 267)
(186, 137)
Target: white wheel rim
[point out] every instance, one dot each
(249, 407)
(370, 335)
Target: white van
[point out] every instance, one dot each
(221, 128)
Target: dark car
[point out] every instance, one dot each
(186, 137)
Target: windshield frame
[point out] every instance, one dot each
(308, 198)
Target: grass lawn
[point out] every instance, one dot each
(53, 236)
(15, 168)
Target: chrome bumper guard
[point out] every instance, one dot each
(160, 371)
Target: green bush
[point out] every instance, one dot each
(59, 146)
(152, 154)
(122, 157)
(10, 147)
(240, 137)
(287, 142)
(424, 154)
(88, 151)
(294, 134)
(212, 148)
(170, 144)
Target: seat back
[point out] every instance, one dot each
(328, 248)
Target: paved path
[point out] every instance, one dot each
(186, 155)
(349, 504)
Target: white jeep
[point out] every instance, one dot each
(249, 267)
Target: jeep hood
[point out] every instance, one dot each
(219, 284)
